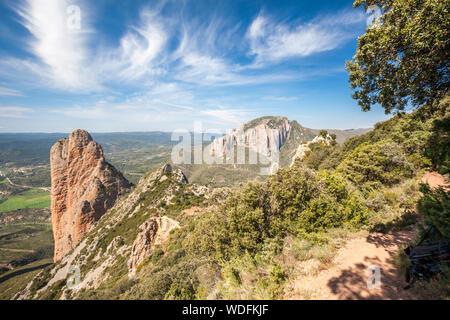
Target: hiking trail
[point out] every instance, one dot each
(347, 277)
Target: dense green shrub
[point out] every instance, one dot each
(295, 201)
(157, 254)
(373, 165)
(438, 145)
(184, 283)
(291, 190)
(422, 135)
(435, 207)
(319, 153)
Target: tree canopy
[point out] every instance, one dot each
(404, 56)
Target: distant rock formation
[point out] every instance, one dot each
(263, 135)
(177, 174)
(84, 187)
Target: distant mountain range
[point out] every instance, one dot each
(23, 149)
(135, 153)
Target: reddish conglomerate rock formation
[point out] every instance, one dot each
(84, 187)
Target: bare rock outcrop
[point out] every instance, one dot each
(152, 233)
(177, 174)
(305, 147)
(84, 187)
(264, 135)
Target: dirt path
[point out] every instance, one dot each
(26, 187)
(347, 278)
(436, 180)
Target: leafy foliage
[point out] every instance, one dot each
(418, 140)
(438, 144)
(396, 61)
(295, 201)
(435, 206)
(375, 164)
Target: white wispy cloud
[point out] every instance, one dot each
(143, 56)
(203, 68)
(274, 98)
(14, 112)
(10, 92)
(140, 53)
(165, 106)
(200, 56)
(90, 112)
(272, 41)
(66, 59)
(61, 49)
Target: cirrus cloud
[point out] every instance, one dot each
(272, 41)
(14, 112)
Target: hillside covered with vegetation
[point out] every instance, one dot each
(247, 241)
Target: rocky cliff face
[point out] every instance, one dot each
(153, 233)
(264, 135)
(254, 149)
(84, 187)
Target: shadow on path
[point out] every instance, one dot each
(351, 283)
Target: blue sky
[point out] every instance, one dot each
(135, 65)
